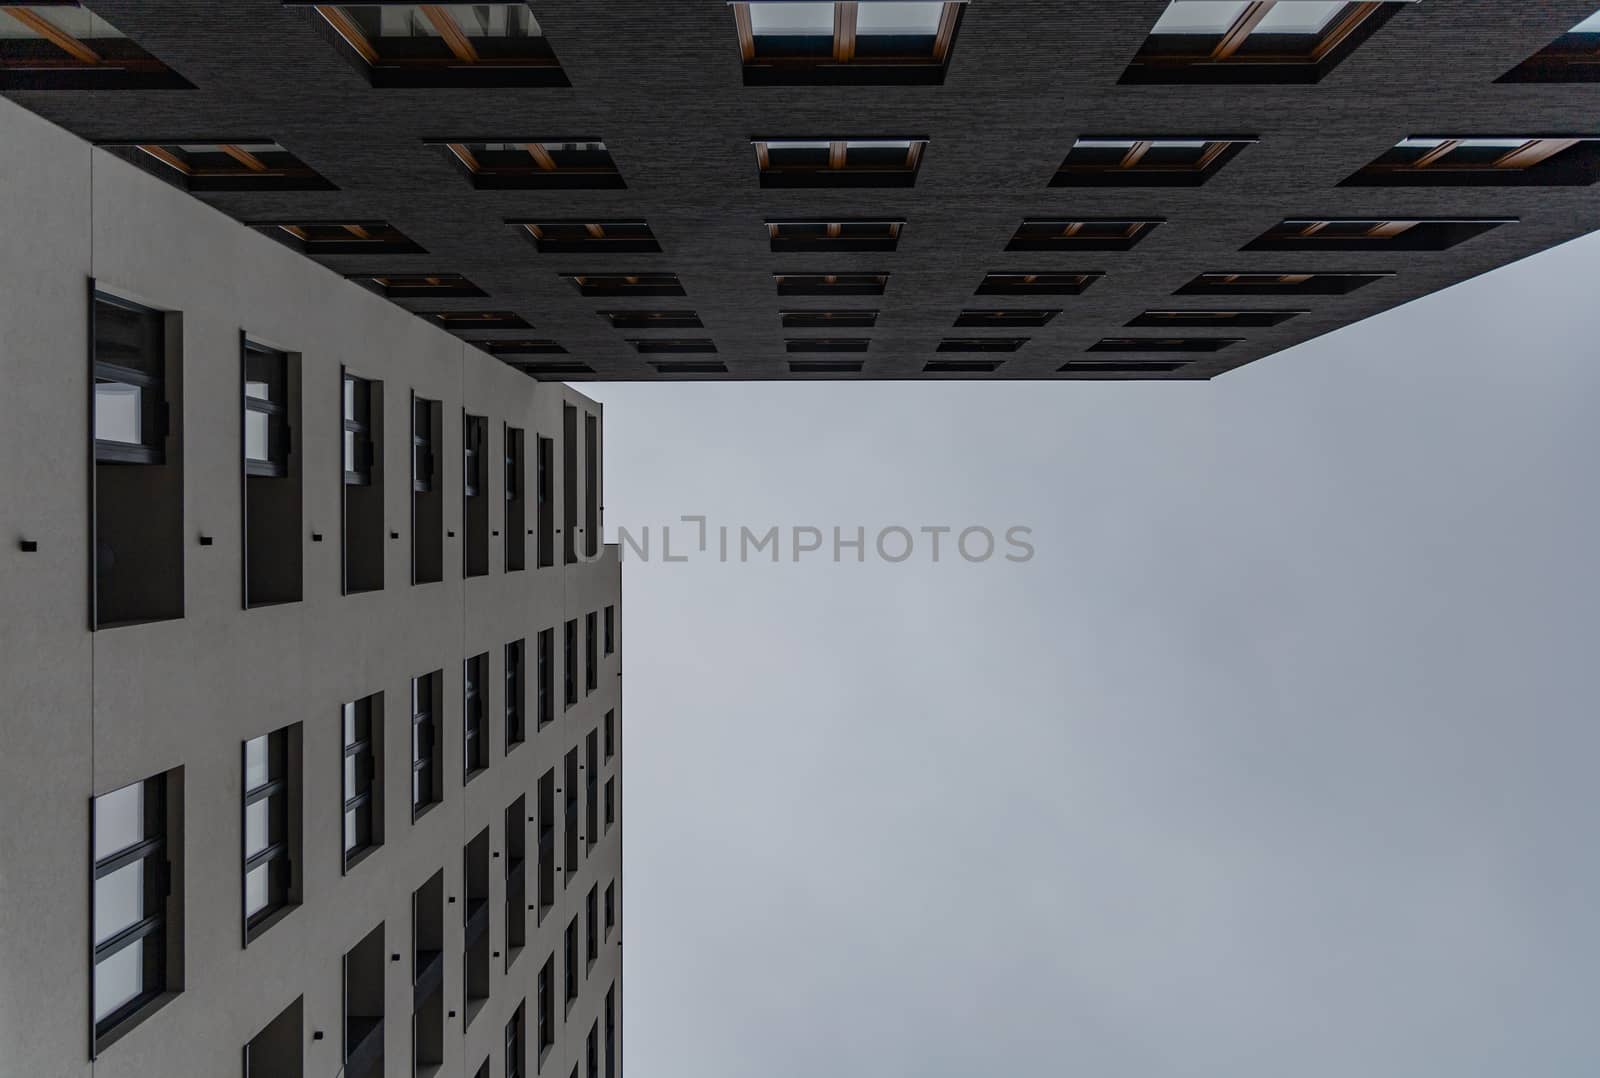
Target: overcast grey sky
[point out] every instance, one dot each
(1276, 761)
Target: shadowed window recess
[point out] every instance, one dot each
(1373, 234)
(315, 238)
(65, 46)
(626, 284)
(238, 165)
(862, 43)
(1572, 57)
(1279, 284)
(886, 162)
(828, 319)
(1036, 284)
(830, 284)
(1003, 319)
(589, 237)
(1052, 234)
(1146, 162)
(1512, 161)
(1213, 318)
(1163, 344)
(651, 319)
(529, 164)
(420, 285)
(404, 44)
(847, 234)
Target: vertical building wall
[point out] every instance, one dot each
(88, 712)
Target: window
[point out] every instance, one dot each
(1371, 234)
(611, 803)
(1225, 319)
(130, 407)
(1514, 161)
(831, 284)
(1254, 42)
(547, 842)
(570, 655)
(427, 974)
(570, 163)
(420, 285)
(135, 928)
(1279, 284)
(611, 1032)
(271, 828)
(316, 238)
(690, 367)
(358, 451)
(828, 319)
(1572, 57)
(569, 790)
(363, 519)
(591, 653)
(475, 920)
(670, 346)
(472, 321)
(569, 959)
(546, 662)
(363, 1007)
(544, 480)
(266, 427)
(591, 774)
(592, 1051)
(1003, 319)
(516, 1043)
(523, 347)
(651, 319)
(1036, 284)
(858, 234)
(426, 788)
(610, 727)
(825, 366)
(868, 42)
(475, 740)
(474, 498)
(982, 344)
(961, 366)
(427, 494)
(516, 877)
(590, 237)
(827, 344)
(545, 1012)
(516, 730)
(611, 908)
(839, 162)
(223, 166)
(516, 500)
(1051, 234)
(63, 46)
(1145, 162)
(626, 284)
(277, 1051)
(611, 630)
(591, 926)
(1130, 369)
(444, 44)
(1163, 344)
(558, 370)
(362, 721)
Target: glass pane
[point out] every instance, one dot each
(257, 827)
(117, 412)
(801, 20)
(494, 20)
(255, 436)
(256, 768)
(1299, 17)
(118, 901)
(1200, 16)
(418, 788)
(350, 777)
(118, 979)
(349, 450)
(76, 22)
(349, 398)
(255, 890)
(349, 831)
(349, 723)
(118, 820)
(919, 19)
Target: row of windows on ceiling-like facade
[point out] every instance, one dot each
(1549, 160)
(137, 918)
(136, 529)
(65, 46)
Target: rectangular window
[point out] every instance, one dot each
(427, 493)
(592, 1051)
(516, 500)
(516, 705)
(475, 973)
(590, 237)
(545, 500)
(1164, 344)
(610, 726)
(398, 286)
(825, 366)
(136, 553)
(1146, 162)
(674, 346)
(475, 732)
(545, 1012)
(1279, 284)
(136, 925)
(961, 366)
(1222, 319)
(427, 974)
(64, 46)
(362, 722)
(856, 43)
(611, 803)
(591, 653)
(1514, 161)
(426, 786)
(1122, 369)
(625, 285)
(611, 629)
(651, 319)
(569, 652)
(547, 841)
(271, 810)
(591, 926)
(569, 483)
(839, 162)
(569, 959)
(555, 370)
(827, 344)
(611, 908)
(318, 238)
(363, 1007)
(830, 284)
(845, 234)
(363, 485)
(1051, 234)
(547, 665)
(474, 495)
(516, 878)
(1036, 284)
(397, 44)
(828, 319)
(272, 480)
(509, 349)
(474, 321)
(536, 164)
(516, 1044)
(982, 344)
(1572, 57)
(1005, 318)
(1237, 41)
(592, 788)
(278, 1051)
(611, 1032)
(222, 166)
(569, 782)
(1373, 234)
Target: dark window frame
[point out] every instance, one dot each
(152, 851)
(278, 857)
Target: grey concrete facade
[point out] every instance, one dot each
(86, 712)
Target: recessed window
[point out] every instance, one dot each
(672, 345)
(1163, 344)
(825, 366)
(569, 164)
(856, 234)
(828, 319)
(1514, 161)
(266, 449)
(868, 42)
(472, 321)
(590, 237)
(651, 319)
(611, 647)
(827, 344)
(516, 708)
(1226, 319)
(520, 348)
(426, 786)
(63, 46)
(591, 652)
(1254, 42)
(961, 366)
(474, 720)
(278, 1051)
(136, 928)
(316, 238)
(362, 521)
(1572, 57)
(592, 788)
(982, 344)
(1002, 319)
(444, 44)
(1279, 284)
(839, 162)
(420, 286)
(1372, 234)
(1053, 234)
(271, 828)
(626, 284)
(544, 1013)
(1036, 284)
(831, 284)
(272, 474)
(551, 368)
(1145, 162)
(690, 367)
(246, 165)
(545, 703)
(362, 722)
(1130, 369)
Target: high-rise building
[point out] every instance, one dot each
(311, 663)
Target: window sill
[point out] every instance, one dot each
(256, 931)
(351, 860)
(422, 810)
(130, 1023)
